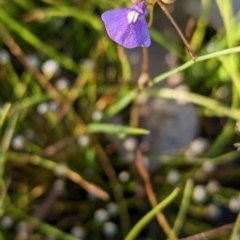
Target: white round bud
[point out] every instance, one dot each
(208, 167)
(18, 142)
(78, 232)
(197, 147)
(199, 194)
(97, 115)
(33, 61)
(62, 84)
(50, 68)
(123, 176)
(212, 186)
(101, 215)
(112, 208)
(52, 106)
(88, 63)
(42, 108)
(6, 222)
(21, 226)
(234, 204)
(173, 176)
(110, 229)
(59, 185)
(130, 144)
(213, 211)
(4, 56)
(83, 140)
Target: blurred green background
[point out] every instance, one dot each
(72, 117)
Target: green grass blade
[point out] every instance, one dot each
(33, 40)
(150, 215)
(115, 128)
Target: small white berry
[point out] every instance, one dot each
(112, 208)
(59, 185)
(130, 144)
(18, 142)
(110, 229)
(173, 177)
(52, 106)
(88, 63)
(213, 211)
(199, 194)
(97, 115)
(101, 215)
(123, 176)
(33, 61)
(83, 140)
(62, 84)
(4, 56)
(21, 226)
(42, 108)
(6, 222)
(213, 186)
(78, 232)
(50, 68)
(197, 147)
(208, 167)
(234, 204)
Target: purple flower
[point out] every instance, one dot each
(128, 26)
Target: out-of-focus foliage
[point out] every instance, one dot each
(70, 123)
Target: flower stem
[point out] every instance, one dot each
(150, 215)
(190, 50)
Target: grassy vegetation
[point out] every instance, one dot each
(64, 169)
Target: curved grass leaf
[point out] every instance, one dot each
(115, 128)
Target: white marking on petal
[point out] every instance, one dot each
(132, 16)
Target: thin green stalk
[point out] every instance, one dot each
(230, 63)
(180, 219)
(4, 113)
(191, 62)
(16, 84)
(8, 136)
(126, 68)
(65, 171)
(151, 13)
(231, 66)
(33, 40)
(236, 229)
(206, 102)
(3, 154)
(200, 30)
(29, 101)
(178, 160)
(121, 104)
(42, 227)
(150, 215)
(226, 11)
(128, 98)
(115, 128)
